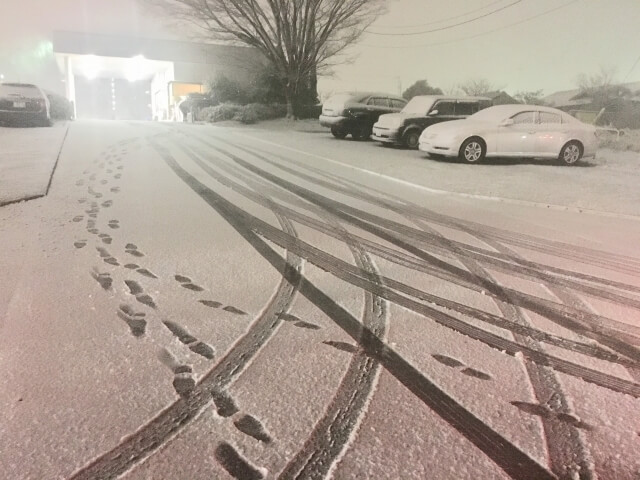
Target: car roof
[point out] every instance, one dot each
(452, 97)
(514, 108)
(374, 94)
(18, 85)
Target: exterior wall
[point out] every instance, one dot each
(160, 94)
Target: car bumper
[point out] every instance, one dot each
(329, 122)
(13, 117)
(437, 149)
(386, 135)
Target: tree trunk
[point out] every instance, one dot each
(290, 96)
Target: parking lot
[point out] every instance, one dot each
(607, 184)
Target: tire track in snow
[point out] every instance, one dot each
(350, 274)
(332, 433)
(569, 454)
(578, 321)
(506, 455)
(610, 261)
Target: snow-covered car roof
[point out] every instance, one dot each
(500, 112)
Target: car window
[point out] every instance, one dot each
(397, 103)
(524, 118)
(547, 117)
(444, 108)
(378, 102)
(466, 108)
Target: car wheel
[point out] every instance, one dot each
(570, 153)
(472, 150)
(411, 139)
(338, 132)
(362, 132)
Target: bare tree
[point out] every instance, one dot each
(477, 86)
(298, 37)
(602, 81)
(533, 97)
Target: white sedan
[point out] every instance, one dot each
(512, 131)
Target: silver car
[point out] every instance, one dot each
(24, 104)
(529, 131)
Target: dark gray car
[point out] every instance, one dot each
(24, 104)
(355, 113)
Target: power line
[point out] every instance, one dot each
(632, 68)
(441, 20)
(474, 36)
(448, 26)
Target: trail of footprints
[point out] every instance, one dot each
(226, 454)
(187, 283)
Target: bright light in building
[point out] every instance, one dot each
(1, 76)
(90, 66)
(135, 68)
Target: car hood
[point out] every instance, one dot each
(392, 119)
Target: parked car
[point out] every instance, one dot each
(512, 131)
(404, 128)
(24, 104)
(355, 113)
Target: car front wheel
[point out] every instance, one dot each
(338, 132)
(411, 139)
(362, 132)
(472, 150)
(570, 153)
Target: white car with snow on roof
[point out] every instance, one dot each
(521, 131)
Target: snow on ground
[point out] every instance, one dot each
(119, 228)
(608, 183)
(27, 160)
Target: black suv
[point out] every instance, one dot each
(355, 113)
(405, 127)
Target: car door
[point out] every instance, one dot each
(519, 137)
(550, 134)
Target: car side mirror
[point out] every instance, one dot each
(507, 122)
(433, 112)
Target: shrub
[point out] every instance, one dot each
(61, 108)
(225, 90)
(308, 111)
(219, 113)
(627, 140)
(252, 113)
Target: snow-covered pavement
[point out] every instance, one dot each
(194, 303)
(27, 159)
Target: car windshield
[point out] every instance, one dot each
(418, 105)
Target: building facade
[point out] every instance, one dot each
(118, 77)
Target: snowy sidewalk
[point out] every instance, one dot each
(27, 160)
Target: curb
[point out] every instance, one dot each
(513, 201)
(53, 171)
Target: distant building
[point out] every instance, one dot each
(569, 100)
(500, 98)
(138, 78)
